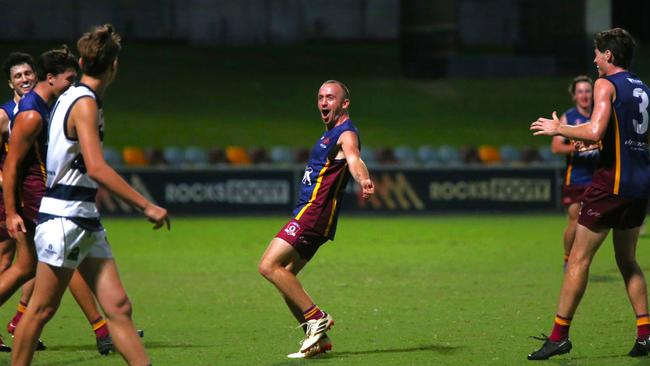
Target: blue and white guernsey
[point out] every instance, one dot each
(70, 192)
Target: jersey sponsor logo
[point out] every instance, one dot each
(306, 178)
(594, 213)
(292, 229)
(635, 81)
(50, 250)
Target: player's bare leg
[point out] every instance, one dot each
(103, 278)
(280, 264)
(575, 280)
(84, 297)
(273, 266)
(635, 283)
(23, 268)
(7, 250)
(625, 242)
(50, 284)
(574, 285)
(25, 294)
(325, 343)
(570, 231)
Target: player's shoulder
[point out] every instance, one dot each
(78, 90)
(8, 105)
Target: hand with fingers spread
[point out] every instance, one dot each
(545, 126)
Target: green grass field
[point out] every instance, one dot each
(439, 290)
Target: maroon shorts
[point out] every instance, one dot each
(4, 234)
(601, 210)
(306, 242)
(29, 202)
(572, 194)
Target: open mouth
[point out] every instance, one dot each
(324, 113)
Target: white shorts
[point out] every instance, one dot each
(62, 243)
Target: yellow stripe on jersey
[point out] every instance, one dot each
(313, 195)
(335, 202)
(41, 165)
(567, 179)
(617, 138)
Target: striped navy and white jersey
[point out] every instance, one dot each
(70, 191)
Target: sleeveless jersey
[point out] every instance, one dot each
(580, 165)
(70, 191)
(32, 168)
(323, 183)
(10, 108)
(624, 167)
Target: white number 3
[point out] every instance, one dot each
(642, 127)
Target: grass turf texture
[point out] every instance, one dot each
(177, 95)
(438, 290)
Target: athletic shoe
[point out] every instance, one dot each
(323, 345)
(104, 345)
(550, 348)
(316, 329)
(40, 346)
(11, 328)
(641, 347)
(4, 347)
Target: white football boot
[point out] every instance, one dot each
(323, 345)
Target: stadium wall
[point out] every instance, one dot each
(398, 191)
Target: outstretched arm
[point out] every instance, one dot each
(83, 119)
(26, 129)
(559, 144)
(592, 131)
(350, 146)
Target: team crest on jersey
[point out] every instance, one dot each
(292, 229)
(306, 178)
(324, 141)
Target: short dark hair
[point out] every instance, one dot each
(14, 59)
(99, 49)
(619, 42)
(579, 79)
(56, 62)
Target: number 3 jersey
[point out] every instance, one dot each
(323, 183)
(624, 166)
(70, 191)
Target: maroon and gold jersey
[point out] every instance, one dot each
(624, 166)
(323, 183)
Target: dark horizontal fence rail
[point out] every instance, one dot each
(398, 191)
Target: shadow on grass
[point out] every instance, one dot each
(445, 350)
(147, 345)
(604, 278)
(588, 360)
(440, 349)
